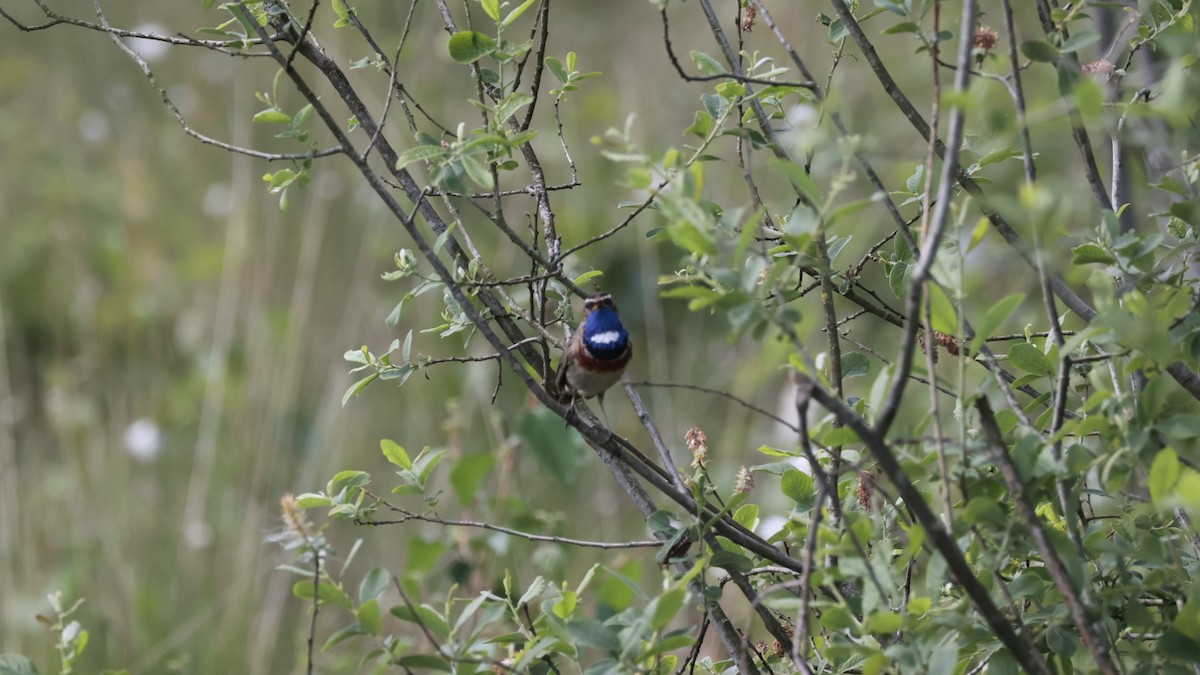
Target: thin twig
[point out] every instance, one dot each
(940, 217)
(1078, 130)
(56, 19)
(408, 516)
(114, 34)
(316, 606)
(1120, 196)
(724, 394)
(1089, 632)
(931, 344)
(720, 76)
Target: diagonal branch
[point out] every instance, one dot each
(937, 224)
(1024, 651)
(1089, 631)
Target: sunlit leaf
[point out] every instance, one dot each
(469, 46)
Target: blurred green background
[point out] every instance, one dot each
(171, 344)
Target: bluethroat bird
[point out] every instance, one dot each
(596, 354)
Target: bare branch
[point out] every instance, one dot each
(937, 224)
(409, 516)
(735, 76)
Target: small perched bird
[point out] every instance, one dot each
(596, 354)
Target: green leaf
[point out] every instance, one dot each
(478, 172)
(1079, 40)
(892, 6)
(468, 475)
(1062, 641)
(347, 481)
(272, 115)
(839, 436)
(15, 664)
(1176, 646)
(733, 562)
(588, 276)
(1185, 211)
(469, 46)
(702, 124)
(491, 8)
(977, 235)
(556, 68)
(983, 510)
(1030, 359)
(370, 616)
(511, 104)
(517, 140)
(373, 584)
(1068, 76)
(556, 447)
(425, 661)
(533, 592)
(1089, 98)
(353, 630)
(242, 14)
(798, 486)
(667, 644)
(1036, 50)
(995, 317)
(941, 310)
(799, 178)
(746, 516)
(902, 27)
(775, 452)
(732, 90)
(1091, 253)
(516, 13)
(664, 608)
(1002, 663)
(595, 634)
(420, 153)
(944, 659)
(1180, 427)
(422, 555)
(898, 278)
(838, 617)
(565, 606)
(395, 454)
(406, 350)
(425, 462)
(326, 593)
(1000, 154)
(1164, 474)
(423, 616)
(1188, 619)
(883, 622)
(707, 64)
(492, 140)
(310, 500)
(692, 239)
(280, 178)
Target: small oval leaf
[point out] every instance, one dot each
(469, 46)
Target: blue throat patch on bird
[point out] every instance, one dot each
(604, 335)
